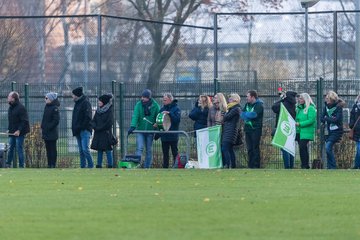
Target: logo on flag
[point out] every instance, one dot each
(285, 132)
(208, 147)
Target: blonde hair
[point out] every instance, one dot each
(235, 97)
(308, 101)
(205, 101)
(332, 96)
(222, 102)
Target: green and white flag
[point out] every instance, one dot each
(285, 132)
(208, 147)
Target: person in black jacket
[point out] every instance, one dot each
(102, 124)
(230, 131)
(333, 117)
(18, 127)
(168, 141)
(355, 125)
(289, 101)
(49, 127)
(199, 114)
(81, 126)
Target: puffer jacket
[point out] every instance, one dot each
(307, 122)
(231, 124)
(50, 121)
(333, 117)
(138, 116)
(81, 116)
(175, 116)
(18, 119)
(354, 115)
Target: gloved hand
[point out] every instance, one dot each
(131, 129)
(156, 137)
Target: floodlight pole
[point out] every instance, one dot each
(307, 47)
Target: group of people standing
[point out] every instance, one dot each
(302, 108)
(207, 112)
(83, 123)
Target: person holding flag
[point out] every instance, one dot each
(289, 101)
(305, 126)
(252, 114)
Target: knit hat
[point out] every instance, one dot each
(51, 96)
(291, 94)
(105, 99)
(78, 91)
(146, 93)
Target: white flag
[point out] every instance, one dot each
(285, 132)
(208, 147)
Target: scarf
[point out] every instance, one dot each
(104, 108)
(232, 104)
(147, 106)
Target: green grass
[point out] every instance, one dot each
(179, 204)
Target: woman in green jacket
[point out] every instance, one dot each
(305, 126)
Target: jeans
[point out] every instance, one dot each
(288, 159)
(109, 157)
(145, 140)
(83, 143)
(229, 159)
(253, 147)
(357, 156)
(51, 153)
(331, 163)
(304, 153)
(19, 143)
(165, 148)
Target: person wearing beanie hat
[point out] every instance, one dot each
(105, 99)
(49, 127)
(81, 127)
(289, 101)
(144, 118)
(146, 94)
(102, 123)
(78, 92)
(51, 96)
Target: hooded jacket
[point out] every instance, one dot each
(81, 116)
(50, 121)
(175, 116)
(252, 114)
(333, 117)
(354, 115)
(289, 103)
(18, 118)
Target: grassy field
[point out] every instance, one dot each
(179, 204)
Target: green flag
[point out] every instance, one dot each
(285, 132)
(208, 147)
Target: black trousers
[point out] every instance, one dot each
(253, 147)
(51, 153)
(165, 148)
(304, 153)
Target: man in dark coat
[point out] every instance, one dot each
(18, 127)
(168, 141)
(49, 127)
(289, 101)
(81, 126)
(102, 124)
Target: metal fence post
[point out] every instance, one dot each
(121, 118)
(113, 91)
(13, 84)
(321, 128)
(27, 96)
